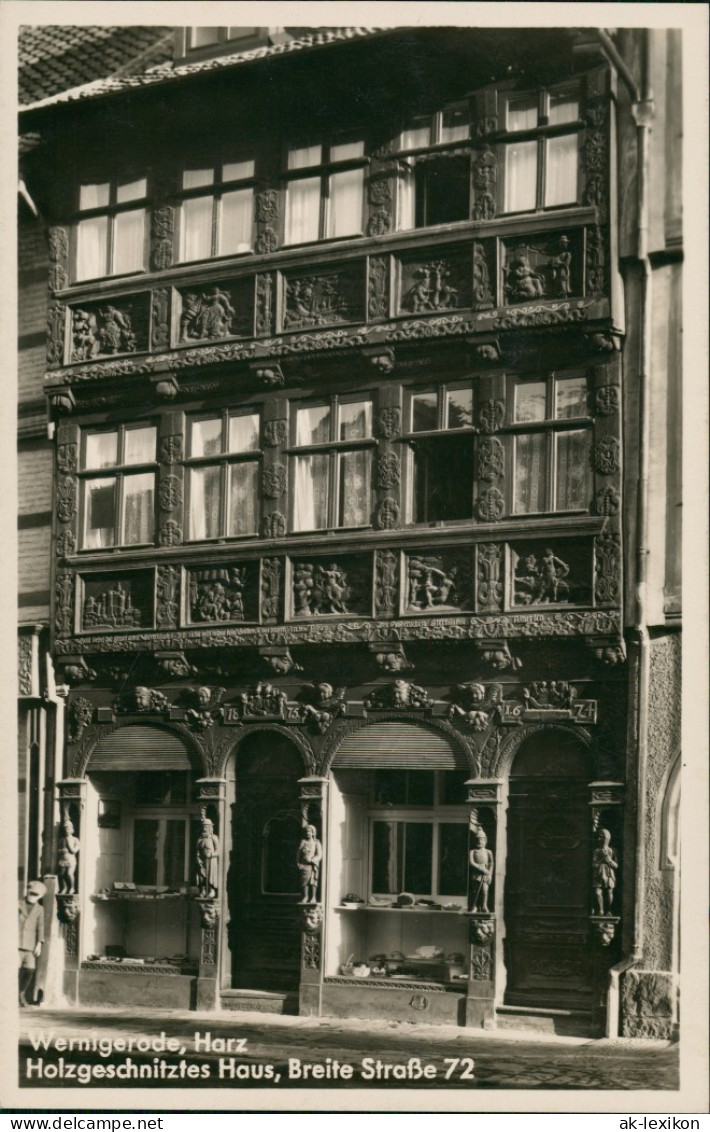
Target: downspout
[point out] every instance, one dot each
(642, 109)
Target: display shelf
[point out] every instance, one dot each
(409, 909)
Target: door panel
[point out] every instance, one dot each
(547, 955)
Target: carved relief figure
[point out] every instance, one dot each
(604, 866)
(484, 180)
(429, 585)
(112, 607)
(217, 595)
(541, 581)
(207, 860)
(85, 344)
(522, 282)
(309, 857)
(115, 331)
(481, 277)
(481, 862)
(314, 301)
(264, 699)
(431, 292)
(324, 704)
(66, 859)
(561, 269)
(320, 590)
(400, 694)
(208, 315)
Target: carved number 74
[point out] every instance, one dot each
(466, 1070)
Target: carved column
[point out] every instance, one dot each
(389, 427)
(274, 441)
(606, 808)
(71, 891)
(313, 801)
(211, 899)
(171, 453)
(483, 796)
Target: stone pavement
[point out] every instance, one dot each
(381, 1054)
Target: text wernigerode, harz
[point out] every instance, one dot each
(126, 1059)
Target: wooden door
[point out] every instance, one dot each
(547, 889)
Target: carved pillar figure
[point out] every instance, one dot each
(311, 862)
(210, 886)
(483, 800)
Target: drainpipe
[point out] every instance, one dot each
(642, 109)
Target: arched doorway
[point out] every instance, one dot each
(547, 885)
(262, 881)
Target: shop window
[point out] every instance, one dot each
(552, 445)
(224, 460)
(164, 831)
(434, 169)
(324, 190)
(118, 487)
(441, 440)
(217, 210)
(542, 150)
(110, 228)
(332, 465)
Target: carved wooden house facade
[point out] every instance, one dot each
(336, 369)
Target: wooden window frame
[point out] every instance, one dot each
(215, 191)
(110, 211)
(224, 460)
(324, 169)
(118, 472)
(540, 133)
(441, 432)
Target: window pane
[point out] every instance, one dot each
(420, 787)
(522, 113)
(530, 473)
(345, 203)
(205, 502)
(93, 196)
(310, 494)
(418, 857)
(139, 445)
(417, 135)
(99, 513)
(574, 470)
(174, 853)
(313, 425)
(571, 397)
(196, 229)
(454, 124)
(303, 211)
(138, 508)
(387, 844)
(145, 851)
(442, 188)
(406, 193)
(531, 401)
(563, 108)
(453, 859)
(128, 241)
(91, 248)
(521, 176)
(459, 408)
(354, 508)
(237, 170)
(301, 157)
(561, 175)
(344, 151)
(425, 416)
(241, 33)
(202, 37)
(131, 190)
(440, 493)
(197, 178)
(244, 433)
(101, 450)
(235, 232)
(243, 498)
(206, 437)
(355, 420)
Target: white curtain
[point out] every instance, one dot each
(345, 203)
(530, 472)
(573, 487)
(139, 445)
(236, 219)
(405, 196)
(128, 241)
(101, 450)
(303, 210)
(354, 489)
(244, 432)
(521, 176)
(205, 499)
(243, 496)
(138, 508)
(310, 498)
(561, 174)
(196, 229)
(91, 248)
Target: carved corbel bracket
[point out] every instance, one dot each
(604, 928)
(311, 918)
(166, 385)
(67, 908)
(390, 657)
(207, 908)
(485, 348)
(62, 401)
(604, 341)
(498, 655)
(481, 927)
(279, 660)
(610, 653)
(381, 357)
(269, 373)
(75, 670)
(174, 664)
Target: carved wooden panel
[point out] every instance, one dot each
(115, 326)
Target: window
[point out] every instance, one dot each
(165, 832)
(420, 845)
(217, 211)
(210, 37)
(324, 191)
(118, 474)
(552, 445)
(224, 475)
(332, 469)
(542, 153)
(441, 440)
(434, 169)
(110, 229)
